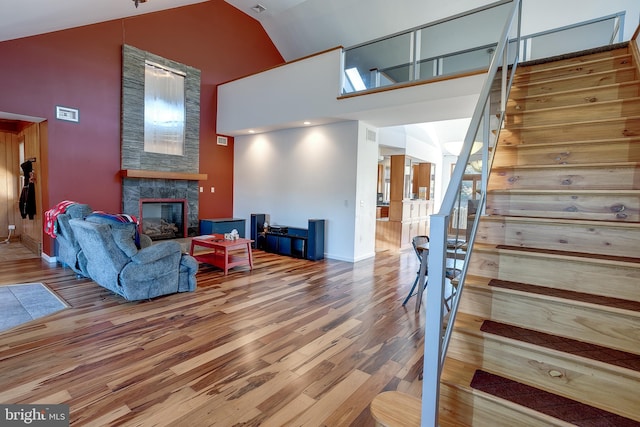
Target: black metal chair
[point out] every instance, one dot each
(416, 242)
(451, 272)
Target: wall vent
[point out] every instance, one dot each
(371, 135)
(68, 114)
(222, 140)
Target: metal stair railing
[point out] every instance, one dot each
(484, 127)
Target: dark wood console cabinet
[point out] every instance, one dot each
(298, 242)
(222, 226)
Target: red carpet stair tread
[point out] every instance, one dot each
(576, 254)
(570, 295)
(547, 403)
(542, 401)
(567, 345)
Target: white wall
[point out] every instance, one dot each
(284, 96)
(297, 174)
(309, 89)
(393, 136)
(366, 193)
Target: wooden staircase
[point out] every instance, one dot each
(557, 259)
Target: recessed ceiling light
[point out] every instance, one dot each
(306, 123)
(252, 131)
(258, 8)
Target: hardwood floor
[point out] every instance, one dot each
(15, 251)
(293, 342)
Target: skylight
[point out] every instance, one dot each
(354, 78)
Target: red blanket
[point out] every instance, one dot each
(51, 215)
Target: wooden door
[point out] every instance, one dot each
(9, 183)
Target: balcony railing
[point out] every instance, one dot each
(445, 48)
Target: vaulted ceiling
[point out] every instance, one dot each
(303, 27)
(297, 27)
(28, 18)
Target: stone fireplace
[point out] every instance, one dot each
(148, 175)
(139, 191)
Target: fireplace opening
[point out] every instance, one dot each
(162, 219)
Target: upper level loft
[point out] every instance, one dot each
(431, 73)
(464, 44)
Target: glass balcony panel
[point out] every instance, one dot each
(467, 61)
(374, 59)
(572, 39)
(393, 75)
(448, 48)
(427, 69)
(453, 35)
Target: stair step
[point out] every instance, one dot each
(594, 237)
(602, 78)
(611, 128)
(617, 176)
(570, 368)
(569, 152)
(595, 323)
(578, 254)
(393, 408)
(571, 113)
(607, 205)
(550, 404)
(576, 58)
(559, 270)
(460, 405)
(579, 96)
(596, 352)
(618, 303)
(589, 66)
(551, 296)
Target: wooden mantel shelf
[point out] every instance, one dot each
(139, 173)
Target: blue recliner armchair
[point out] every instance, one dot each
(68, 247)
(114, 262)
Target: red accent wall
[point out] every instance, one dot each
(81, 68)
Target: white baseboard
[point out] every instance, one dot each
(352, 260)
(49, 259)
(365, 256)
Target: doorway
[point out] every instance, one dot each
(20, 167)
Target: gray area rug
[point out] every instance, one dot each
(24, 302)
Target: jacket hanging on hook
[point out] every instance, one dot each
(28, 194)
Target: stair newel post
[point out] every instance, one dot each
(432, 364)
